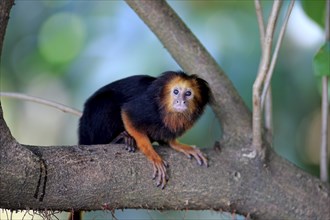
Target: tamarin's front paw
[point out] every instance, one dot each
(197, 154)
(160, 172)
(190, 151)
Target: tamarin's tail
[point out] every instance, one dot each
(75, 215)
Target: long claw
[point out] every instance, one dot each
(204, 160)
(154, 174)
(198, 155)
(159, 173)
(199, 161)
(187, 154)
(165, 164)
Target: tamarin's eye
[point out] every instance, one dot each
(188, 93)
(175, 91)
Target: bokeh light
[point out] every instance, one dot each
(61, 38)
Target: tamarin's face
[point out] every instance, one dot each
(180, 97)
(181, 94)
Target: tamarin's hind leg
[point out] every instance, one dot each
(144, 145)
(189, 151)
(128, 141)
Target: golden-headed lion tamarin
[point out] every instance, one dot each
(142, 109)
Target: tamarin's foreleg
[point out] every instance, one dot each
(144, 145)
(189, 151)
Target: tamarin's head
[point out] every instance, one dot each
(182, 93)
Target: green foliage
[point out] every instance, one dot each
(321, 61)
(315, 9)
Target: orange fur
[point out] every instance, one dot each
(180, 147)
(177, 121)
(142, 140)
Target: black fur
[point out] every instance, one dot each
(101, 120)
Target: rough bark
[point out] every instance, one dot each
(96, 177)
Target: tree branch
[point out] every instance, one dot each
(268, 106)
(119, 179)
(266, 97)
(190, 54)
(263, 69)
(5, 6)
(275, 54)
(324, 132)
(325, 109)
(261, 23)
(53, 104)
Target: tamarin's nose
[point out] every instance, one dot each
(182, 102)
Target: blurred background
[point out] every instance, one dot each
(65, 50)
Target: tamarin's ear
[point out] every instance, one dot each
(205, 90)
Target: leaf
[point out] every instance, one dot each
(321, 61)
(315, 9)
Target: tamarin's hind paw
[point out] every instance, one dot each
(130, 144)
(160, 173)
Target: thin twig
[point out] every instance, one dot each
(275, 54)
(325, 109)
(268, 105)
(261, 23)
(263, 69)
(327, 22)
(324, 133)
(266, 97)
(56, 105)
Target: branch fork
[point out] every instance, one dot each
(261, 92)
